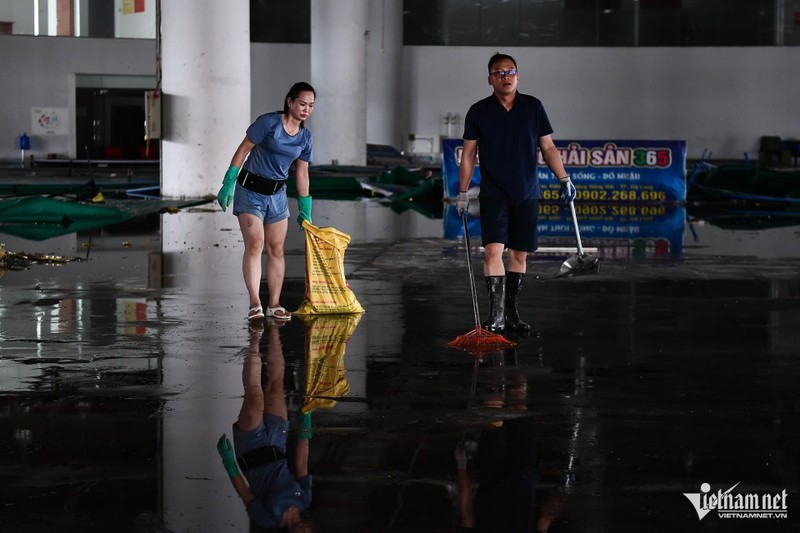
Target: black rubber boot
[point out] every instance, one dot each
(513, 288)
(496, 287)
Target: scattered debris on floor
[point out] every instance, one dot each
(23, 261)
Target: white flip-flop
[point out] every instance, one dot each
(255, 313)
(284, 314)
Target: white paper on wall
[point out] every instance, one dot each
(49, 121)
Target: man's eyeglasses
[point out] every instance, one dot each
(503, 73)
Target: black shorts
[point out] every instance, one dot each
(512, 223)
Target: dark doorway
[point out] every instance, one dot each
(110, 124)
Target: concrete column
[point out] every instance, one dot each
(206, 110)
(384, 69)
(206, 82)
(338, 74)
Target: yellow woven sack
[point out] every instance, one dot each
(326, 342)
(327, 291)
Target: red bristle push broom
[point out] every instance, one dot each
(479, 341)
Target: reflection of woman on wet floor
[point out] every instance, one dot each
(272, 495)
(272, 144)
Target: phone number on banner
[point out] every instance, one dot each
(599, 193)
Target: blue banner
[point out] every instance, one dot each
(451, 160)
(603, 171)
(618, 229)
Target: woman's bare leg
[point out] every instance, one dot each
(252, 411)
(274, 240)
(274, 393)
(253, 234)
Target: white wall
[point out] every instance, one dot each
(135, 25)
(722, 99)
(37, 72)
(273, 70)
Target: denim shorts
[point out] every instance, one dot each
(270, 209)
(272, 431)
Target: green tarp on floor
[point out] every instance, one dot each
(39, 218)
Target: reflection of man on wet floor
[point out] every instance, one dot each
(272, 495)
(507, 468)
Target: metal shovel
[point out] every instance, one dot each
(580, 263)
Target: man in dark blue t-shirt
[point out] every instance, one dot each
(506, 128)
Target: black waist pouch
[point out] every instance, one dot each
(259, 456)
(259, 184)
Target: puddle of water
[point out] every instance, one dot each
(119, 372)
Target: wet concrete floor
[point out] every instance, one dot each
(638, 385)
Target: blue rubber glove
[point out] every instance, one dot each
(305, 426)
(567, 189)
(225, 450)
(462, 203)
(304, 205)
(225, 194)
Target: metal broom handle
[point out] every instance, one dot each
(575, 224)
(471, 275)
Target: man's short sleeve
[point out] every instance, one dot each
(470, 126)
(544, 123)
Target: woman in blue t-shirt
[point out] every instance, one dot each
(274, 494)
(273, 143)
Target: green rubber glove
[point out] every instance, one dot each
(225, 450)
(305, 426)
(225, 194)
(304, 205)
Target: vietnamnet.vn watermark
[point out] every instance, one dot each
(729, 504)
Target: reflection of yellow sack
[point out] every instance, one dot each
(326, 341)
(327, 292)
